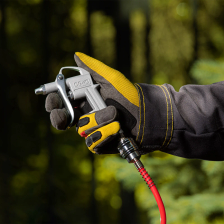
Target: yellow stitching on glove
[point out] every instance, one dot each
(117, 79)
(139, 111)
(92, 123)
(143, 113)
(106, 131)
(167, 113)
(171, 107)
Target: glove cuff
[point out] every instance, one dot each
(156, 118)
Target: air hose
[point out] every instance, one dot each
(129, 151)
(156, 194)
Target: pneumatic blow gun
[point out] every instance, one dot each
(82, 87)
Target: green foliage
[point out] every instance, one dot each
(138, 24)
(191, 189)
(171, 41)
(103, 36)
(206, 72)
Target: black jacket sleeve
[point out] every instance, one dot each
(188, 123)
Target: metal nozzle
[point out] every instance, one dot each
(40, 90)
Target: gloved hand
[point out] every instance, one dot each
(101, 127)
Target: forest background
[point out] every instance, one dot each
(49, 176)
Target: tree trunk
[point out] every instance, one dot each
(49, 215)
(5, 121)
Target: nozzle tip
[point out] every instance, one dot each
(40, 90)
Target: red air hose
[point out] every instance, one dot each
(156, 194)
(129, 151)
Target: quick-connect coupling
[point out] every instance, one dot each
(128, 149)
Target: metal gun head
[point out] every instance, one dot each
(75, 86)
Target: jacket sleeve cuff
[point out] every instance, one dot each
(155, 118)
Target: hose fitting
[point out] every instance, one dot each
(128, 149)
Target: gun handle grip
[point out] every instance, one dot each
(94, 98)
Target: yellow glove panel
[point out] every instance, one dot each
(100, 135)
(90, 122)
(86, 122)
(116, 78)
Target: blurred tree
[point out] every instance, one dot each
(172, 41)
(210, 21)
(140, 30)
(49, 216)
(5, 139)
(208, 71)
(194, 12)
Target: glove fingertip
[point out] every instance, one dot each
(59, 119)
(53, 101)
